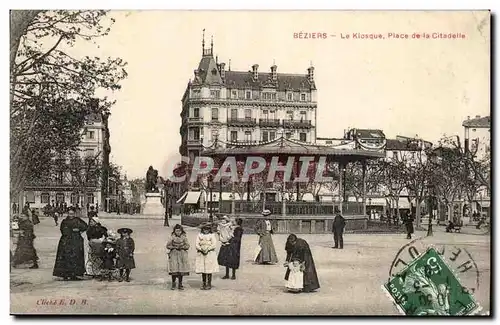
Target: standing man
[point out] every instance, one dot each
(92, 213)
(408, 221)
(338, 229)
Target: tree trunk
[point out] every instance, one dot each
(417, 212)
(19, 21)
(398, 214)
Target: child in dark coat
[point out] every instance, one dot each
(108, 258)
(125, 247)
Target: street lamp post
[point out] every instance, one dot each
(210, 179)
(166, 200)
(430, 192)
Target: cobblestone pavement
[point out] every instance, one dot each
(350, 279)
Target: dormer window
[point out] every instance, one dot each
(289, 96)
(234, 94)
(196, 93)
(248, 94)
(214, 71)
(215, 93)
(303, 97)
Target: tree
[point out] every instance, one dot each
(448, 175)
(389, 174)
(82, 173)
(19, 21)
(417, 172)
(52, 92)
(354, 178)
(137, 185)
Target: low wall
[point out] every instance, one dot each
(289, 224)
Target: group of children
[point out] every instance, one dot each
(118, 255)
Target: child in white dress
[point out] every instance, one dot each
(295, 281)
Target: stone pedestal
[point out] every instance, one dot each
(153, 206)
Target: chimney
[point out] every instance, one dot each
(468, 117)
(478, 116)
(222, 71)
(255, 72)
(310, 74)
(273, 72)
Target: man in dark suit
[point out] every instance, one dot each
(338, 229)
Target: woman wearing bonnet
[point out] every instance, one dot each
(266, 251)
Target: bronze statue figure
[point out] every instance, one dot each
(151, 180)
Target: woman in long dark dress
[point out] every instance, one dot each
(264, 228)
(25, 251)
(229, 255)
(299, 248)
(70, 259)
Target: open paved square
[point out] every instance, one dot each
(350, 279)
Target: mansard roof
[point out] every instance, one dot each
(478, 122)
(209, 73)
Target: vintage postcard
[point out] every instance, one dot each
(320, 163)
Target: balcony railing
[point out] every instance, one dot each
(195, 119)
(192, 142)
(297, 123)
(241, 121)
(269, 122)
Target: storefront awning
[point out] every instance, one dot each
(182, 197)
(308, 197)
(190, 198)
(484, 204)
(226, 196)
(376, 201)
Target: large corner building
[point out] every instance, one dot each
(245, 106)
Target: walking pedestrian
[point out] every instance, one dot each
(25, 250)
(206, 259)
(408, 221)
(177, 251)
(338, 229)
(266, 251)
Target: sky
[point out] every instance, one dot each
(410, 87)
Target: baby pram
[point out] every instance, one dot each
(98, 263)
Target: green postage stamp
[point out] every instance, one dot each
(427, 286)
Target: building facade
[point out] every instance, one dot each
(477, 140)
(62, 188)
(245, 106)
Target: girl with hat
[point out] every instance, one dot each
(125, 247)
(266, 253)
(177, 250)
(206, 259)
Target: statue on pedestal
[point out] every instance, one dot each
(152, 180)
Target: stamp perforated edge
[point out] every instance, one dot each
(431, 246)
